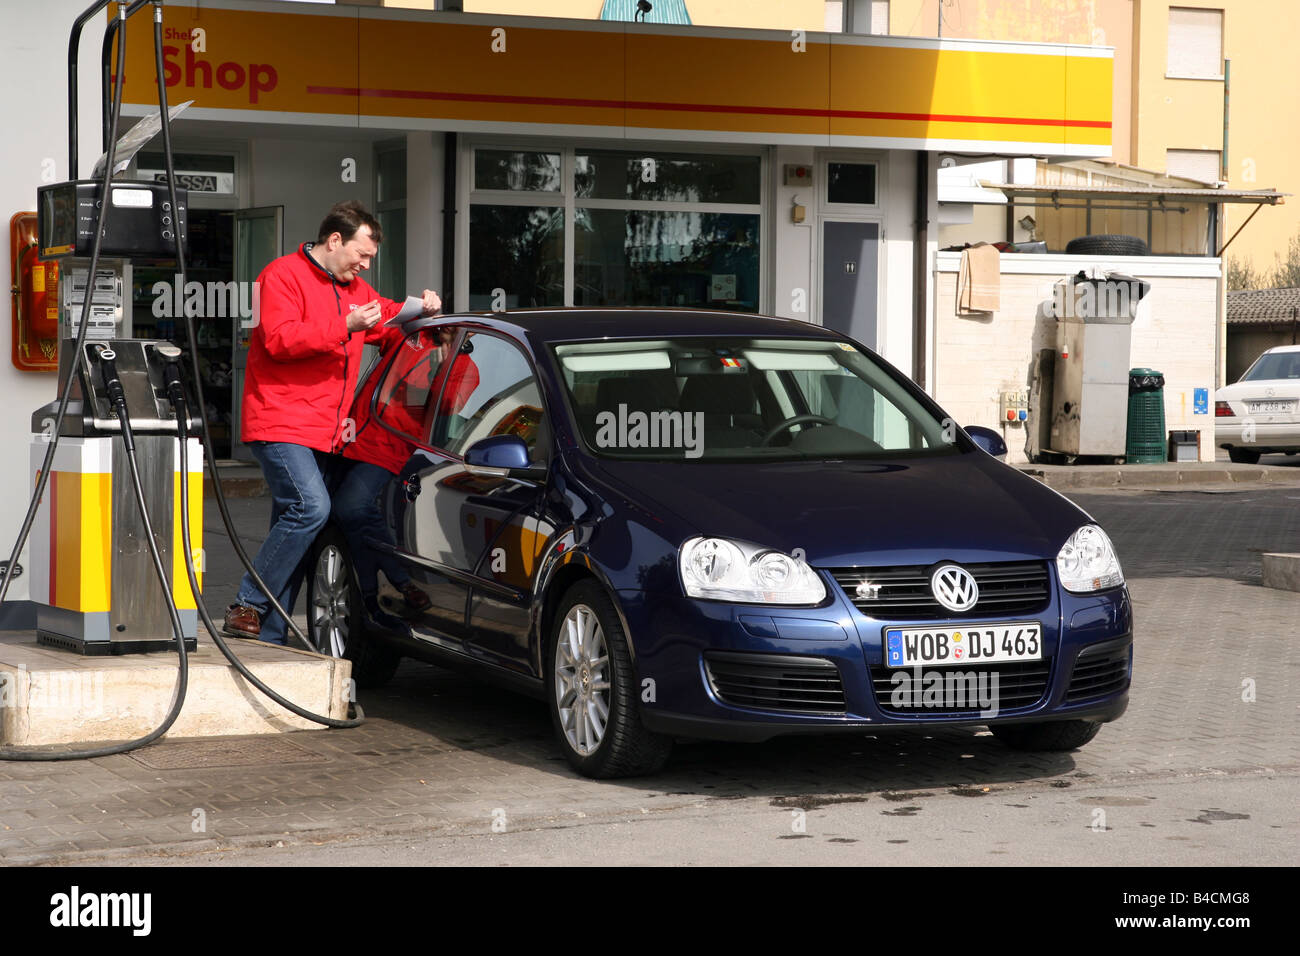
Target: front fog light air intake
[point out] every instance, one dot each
(1087, 562)
(723, 570)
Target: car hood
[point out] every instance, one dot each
(960, 507)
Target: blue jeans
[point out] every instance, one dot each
(300, 505)
(356, 508)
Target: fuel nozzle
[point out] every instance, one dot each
(112, 382)
(116, 394)
(171, 356)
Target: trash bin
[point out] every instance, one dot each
(1094, 320)
(1146, 416)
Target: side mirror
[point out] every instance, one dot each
(988, 440)
(502, 456)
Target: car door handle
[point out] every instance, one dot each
(411, 487)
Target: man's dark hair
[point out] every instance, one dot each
(346, 218)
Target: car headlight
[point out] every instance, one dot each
(1087, 562)
(724, 570)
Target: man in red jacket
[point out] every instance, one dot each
(315, 314)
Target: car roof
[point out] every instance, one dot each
(1281, 348)
(577, 323)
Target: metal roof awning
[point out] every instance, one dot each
(1134, 193)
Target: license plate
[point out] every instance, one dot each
(982, 644)
(1261, 407)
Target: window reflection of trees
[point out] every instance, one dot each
(519, 249)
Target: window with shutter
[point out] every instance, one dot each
(1195, 43)
(1198, 164)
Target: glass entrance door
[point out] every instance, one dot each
(259, 238)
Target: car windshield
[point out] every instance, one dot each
(1273, 365)
(701, 398)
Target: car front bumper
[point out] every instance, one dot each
(749, 672)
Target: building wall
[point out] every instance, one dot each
(306, 177)
(1259, 39)
(978, 357)
(36, 151)
(1248, 342)
(1154, 113)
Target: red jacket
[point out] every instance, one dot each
(374, 443)
(302, 361)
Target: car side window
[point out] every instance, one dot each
(490, 390)
(409, 392)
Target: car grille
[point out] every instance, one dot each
(1098, 674)
(1020, 684)
(1006, 588)
(804, 685)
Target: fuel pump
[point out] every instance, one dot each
(117, 475)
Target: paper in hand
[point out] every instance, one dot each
(412, 308)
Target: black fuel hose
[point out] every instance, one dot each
(192, 335)
(182, 681)
(176, 393)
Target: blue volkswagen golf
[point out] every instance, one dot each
(677, 523)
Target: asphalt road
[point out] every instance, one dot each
(1191, 775)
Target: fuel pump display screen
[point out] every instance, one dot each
(58, 220)
(141, 222)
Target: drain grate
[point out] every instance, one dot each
(222, 752)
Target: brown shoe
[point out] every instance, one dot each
(415, 599)
(243, 621)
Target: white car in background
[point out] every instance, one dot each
(1259, 414)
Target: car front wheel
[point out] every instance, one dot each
(592, 686)
(336, 621)
(1051, 735)
(1243, 456)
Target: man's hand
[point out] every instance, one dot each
(364, 316)
(432, 304)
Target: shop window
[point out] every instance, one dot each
(641, 257)
(649, 228)
(1195, 43)
(667, 177)
(517, 170)
(516, 256)
(851, 183)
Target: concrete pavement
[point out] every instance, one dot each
(443, 757)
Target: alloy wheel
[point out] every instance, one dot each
(331, 602)
(582, 692)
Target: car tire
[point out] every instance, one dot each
(587, 643)
(336, 622)
(1107, 245)
(1050, 735)
(1243, 456)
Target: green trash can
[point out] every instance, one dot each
(1146, 416)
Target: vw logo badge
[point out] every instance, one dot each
(954, 587)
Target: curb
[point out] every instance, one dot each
(1138, 477)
